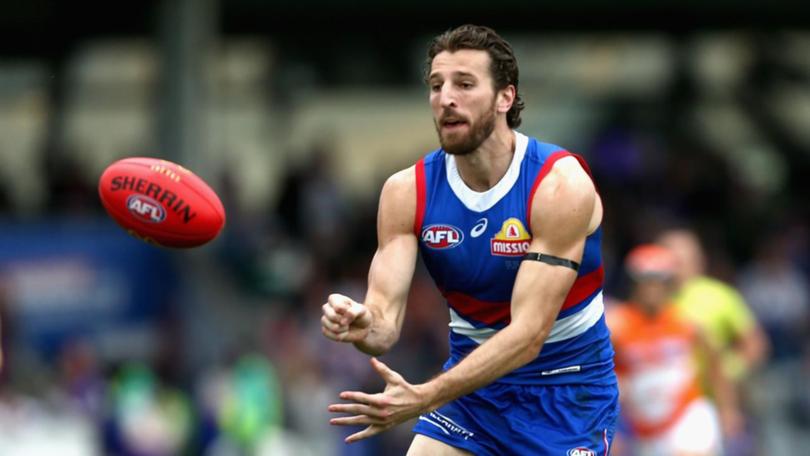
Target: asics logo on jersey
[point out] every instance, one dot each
(580, 452)
(479, 228)
(442, 236)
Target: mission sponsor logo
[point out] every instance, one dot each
(442, 236)
(512, 240)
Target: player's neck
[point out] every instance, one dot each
(484, 167)
(650, 310)
(687, 276)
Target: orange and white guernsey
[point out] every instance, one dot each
(657, 366)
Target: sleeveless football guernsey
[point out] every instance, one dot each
(472, 244)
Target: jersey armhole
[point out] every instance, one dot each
(420, 197)
(544, 170)
(587, 169)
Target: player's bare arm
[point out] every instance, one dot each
(374, 325)
(724, 390)
(752, 347)
(565, 210)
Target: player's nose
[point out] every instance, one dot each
(447, 97)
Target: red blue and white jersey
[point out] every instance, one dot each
(472, 244)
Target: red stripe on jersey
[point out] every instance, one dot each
(587, 169)
(420, 197)
(583, 287)
(607, 444)
(540, 175)
(488, 312)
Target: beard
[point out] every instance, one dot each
(458, 143)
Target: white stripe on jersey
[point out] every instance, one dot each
(564, 328)
(463, 327)
(576, 324)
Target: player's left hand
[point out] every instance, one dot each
(399, 402)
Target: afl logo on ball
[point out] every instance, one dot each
(146, 209)
(581, 452)
(442, 236)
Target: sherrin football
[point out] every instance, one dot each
(161, 202)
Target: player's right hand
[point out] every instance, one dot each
(345, 320)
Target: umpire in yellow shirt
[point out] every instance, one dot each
(716, 306)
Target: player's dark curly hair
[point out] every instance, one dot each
(503, 66)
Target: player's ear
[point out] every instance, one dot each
(505, 98)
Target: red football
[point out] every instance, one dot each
(161, 202)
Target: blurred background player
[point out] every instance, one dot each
(656, 346)
(715, 305)
(722, 314)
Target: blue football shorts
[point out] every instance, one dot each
(527, 420)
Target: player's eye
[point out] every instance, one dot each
(467, 85)
(435, 87)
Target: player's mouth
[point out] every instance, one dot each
(453, 124)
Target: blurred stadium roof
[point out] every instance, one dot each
(46, 26)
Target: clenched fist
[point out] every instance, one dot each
(345, 320)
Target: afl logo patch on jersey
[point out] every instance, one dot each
(512, 240)
(442, 236)
(581, 452)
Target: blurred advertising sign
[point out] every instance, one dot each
(83, 279)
